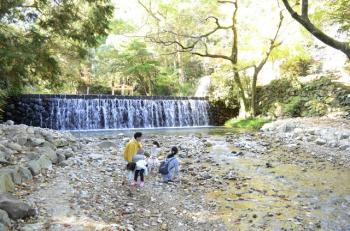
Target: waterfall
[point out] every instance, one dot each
(203, 86)
(106, 112)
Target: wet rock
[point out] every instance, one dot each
(4, 218)
(15, 208)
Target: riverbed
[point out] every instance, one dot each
(230, 180)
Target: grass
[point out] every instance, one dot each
(252, 123)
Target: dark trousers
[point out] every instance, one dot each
(137, 172)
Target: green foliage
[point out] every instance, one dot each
(37, 37)
(3, 97)
(253, 123)
(293, 107)
(289, 97)
(300, 65)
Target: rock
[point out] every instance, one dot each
(320, 141)
(268, 165)
(45, 162)
(164, 226)
(25, 174)
(9, 122)
(13, 171)
(61, 157)
(6, 183)
(230, 176)
(15, 208)
(34, 167)
(3, 227)
(344, 147)
(4, 218)
(21, 139)
(106, 145)
(14, 146)
(48, 152)
(36, 141)
(33, 227)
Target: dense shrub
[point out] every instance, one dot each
(289, 97)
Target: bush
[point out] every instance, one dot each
(252, 123)
(294, 107)
(3, 99)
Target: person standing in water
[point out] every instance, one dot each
(131, 149)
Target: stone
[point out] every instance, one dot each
(9, 122)
(320, 141)
(6, 183)
(61, 157)
(48, 152)
(34, 167)
(45, 162)
(13, 171)
(4, 218)
(106, 145)
(15, 208)
(21, 139)
(24, 173)
(36, 141)
(3, 227)
(344, 147)
(14, 146)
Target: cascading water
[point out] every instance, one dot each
(108, 112)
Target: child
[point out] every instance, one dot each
(140, 168)
(172, 166)
(153, 161)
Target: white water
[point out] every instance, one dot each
(87, 114)
(203, 86)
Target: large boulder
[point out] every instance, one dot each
(4, 218)
(13, 171)
(45, 162)
(15, 208)
(34, 167)
(6, 183)
(24, 173)
(48, 152)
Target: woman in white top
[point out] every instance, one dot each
(153, 161)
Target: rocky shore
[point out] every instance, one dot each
(282, 177)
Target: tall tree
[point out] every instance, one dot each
(35, 36)
(201, 44)
(304, 20)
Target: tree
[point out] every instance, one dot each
(304, 20)
(35, 36)
(200, 44)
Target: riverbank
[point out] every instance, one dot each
(278, 178)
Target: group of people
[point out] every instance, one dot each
(140, 163)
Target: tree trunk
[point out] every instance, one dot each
(253, 99)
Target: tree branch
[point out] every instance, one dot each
(305, 22)
(305, 9)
